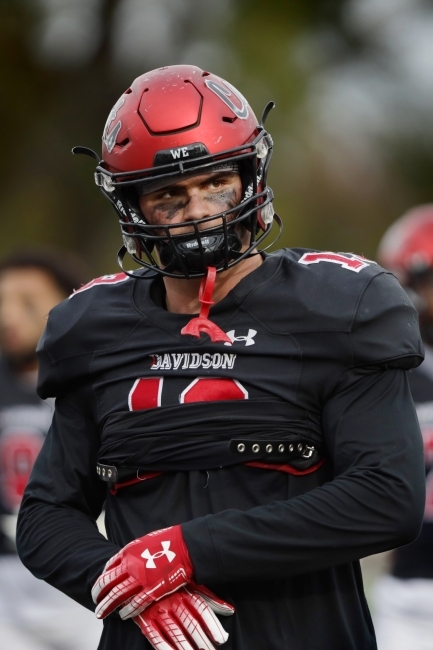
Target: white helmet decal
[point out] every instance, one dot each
(110, 138)
(224, 95)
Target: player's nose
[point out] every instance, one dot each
(196, 208)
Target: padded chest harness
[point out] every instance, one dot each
(264, 433)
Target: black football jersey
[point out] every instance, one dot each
(320, 345)
(416, 560)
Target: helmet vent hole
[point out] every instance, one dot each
(123, 143)
(128, 92)
(229, 119)
(205, 74)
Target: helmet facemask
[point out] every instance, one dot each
(188, 255)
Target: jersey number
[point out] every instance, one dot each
(146, 393)
(351, 263)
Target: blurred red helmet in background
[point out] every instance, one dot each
(406, 248)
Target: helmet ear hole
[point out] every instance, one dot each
(130, 244)
(266, 216)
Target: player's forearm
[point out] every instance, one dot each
(375, 502)
(357, 515)
(63, 547)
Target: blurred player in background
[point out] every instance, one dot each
(404, 599)
(32, 615)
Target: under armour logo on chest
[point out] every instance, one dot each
(248, 339)
(150, 564)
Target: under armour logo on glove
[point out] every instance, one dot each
(144, 571)
(170, 555)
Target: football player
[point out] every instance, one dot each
(404, 599)
(245, 416)
(32, 614)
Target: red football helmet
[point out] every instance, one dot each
(406, 248)
(173, 123)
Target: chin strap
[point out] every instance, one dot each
(201, 323)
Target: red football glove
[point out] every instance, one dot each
(142, 572)
(185, 620)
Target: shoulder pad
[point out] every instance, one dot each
(385, 331)
(114, 278)
(323, 288)
(352, 295)
(80, 326)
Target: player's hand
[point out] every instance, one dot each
(185, 620)
(142, 572)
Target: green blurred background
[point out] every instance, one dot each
(352, 81)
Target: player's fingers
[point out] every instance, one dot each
(191, 625)
(172, 630)
(106, 582)
(152, 633)
(219, 606)
(205, 615)
(168, 627)
(136, 605)
(117, 596)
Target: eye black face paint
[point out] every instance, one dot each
(166, 210)
(226, 199)
(212, 202)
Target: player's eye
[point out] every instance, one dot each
(168, 194)
(215, 184)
